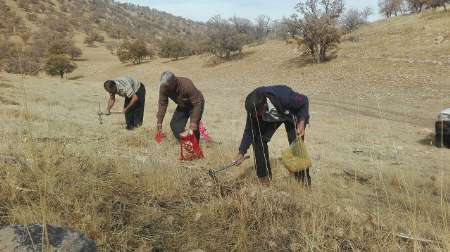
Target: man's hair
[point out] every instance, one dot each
(110, 86)
(254, 102)
(167, 78)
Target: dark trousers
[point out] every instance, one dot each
(261, 136)
(135, 115)
(179, 120)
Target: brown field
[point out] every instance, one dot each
(372, 115)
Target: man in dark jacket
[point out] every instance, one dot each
(267, 108)
(134, 93)
(190, 103)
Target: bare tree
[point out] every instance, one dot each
(354, 18)
(318, 27)
(416, 5)
(262, 27)
(292, 25)
(390, 8)
(223, 38)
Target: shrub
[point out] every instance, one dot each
(18, 60)
(59, 64)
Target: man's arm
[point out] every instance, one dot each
(111, 101)
(162, 107)
(247, 137)
(247, 140)
(299, 106)
(134, 100)
(196, 114)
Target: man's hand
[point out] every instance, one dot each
(239, 159)
(193, 126)
(186, 132)
(158, 127)
(124, 111)
(108, 112)
(301, 128)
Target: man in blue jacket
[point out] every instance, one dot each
(267, 108)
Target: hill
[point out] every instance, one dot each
(378, 183)
(118, 20)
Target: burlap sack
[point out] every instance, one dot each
(296, 157)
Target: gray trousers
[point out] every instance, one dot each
(179, 120)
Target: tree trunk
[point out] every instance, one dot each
(61, 73)
(323, 53)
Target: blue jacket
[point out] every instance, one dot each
(284, 99)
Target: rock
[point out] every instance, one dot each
(21, 238)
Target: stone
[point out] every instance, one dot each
(26, 238)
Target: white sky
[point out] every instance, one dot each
(202, 10)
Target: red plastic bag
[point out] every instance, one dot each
(190, 149)
(203, 133)
(159, 137)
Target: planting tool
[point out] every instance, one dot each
(212, 173)
(101, 114)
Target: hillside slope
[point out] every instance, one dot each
(375, 173)
(118, 20)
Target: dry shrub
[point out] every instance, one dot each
(7, 101)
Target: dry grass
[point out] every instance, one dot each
(7, 101)
(124, 208)
(59, 166)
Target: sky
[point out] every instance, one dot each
(202, 10)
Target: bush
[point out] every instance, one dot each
(173, 48)
(59, 64)
(24, 65)
(18, 60)
(134, 52)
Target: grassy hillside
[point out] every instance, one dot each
(118, 20)
(376, 176)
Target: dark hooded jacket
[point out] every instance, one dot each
(286, 101)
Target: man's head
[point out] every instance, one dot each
(110, 86)
(256, 104)
(167, 78)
